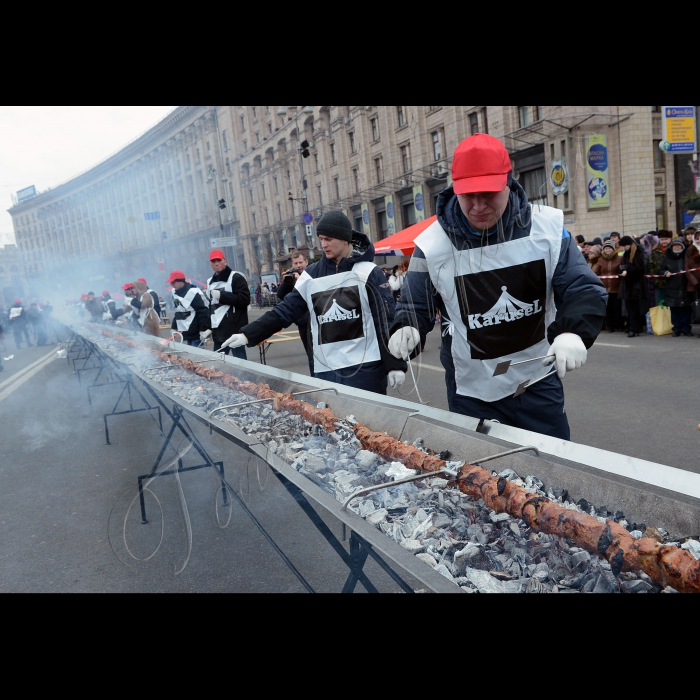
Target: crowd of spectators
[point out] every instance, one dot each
(640, 272)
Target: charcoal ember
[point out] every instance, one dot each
(413, 546)
(599, 583)
(534, 585)
(558, 493)
(378, 516)
(484, 582)
(637, 534)
(693, 546)
(583, 504)
(580, 559)
(508, 474)
(441, 521)
(669, 589)
(637, 586)
(365, 458)
(573, 581)
(427, 558)
(442, 569)
(532, 482)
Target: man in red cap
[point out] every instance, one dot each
(156, 298)
(510, 284)
(191, 315)
(109, 306)
(229, 296)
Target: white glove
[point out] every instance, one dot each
(235, 341)
(215, 294)
(396, 378)
(204, 336)
(403, 342)
(569, 353)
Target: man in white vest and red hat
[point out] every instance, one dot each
(229, 295)
(510, 284)
(191, 313)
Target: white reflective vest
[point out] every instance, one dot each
(141, 314)
(342, 327)
(218, 311)
(185, 304)
(500, 303)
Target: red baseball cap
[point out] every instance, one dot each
(216, 254)
(18, 301)
(176, 275)
(480, 164)
(105, 291)
(141, 279)
(83, 296)
(128, 285)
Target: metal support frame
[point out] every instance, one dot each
(128, 387)
(116, 377)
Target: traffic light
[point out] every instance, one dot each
(222, 204)
(305, 148)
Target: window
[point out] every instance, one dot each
(485, 121)
(228, 167)
(351, 136)
(535, 185)
(400, 116)
(332, 145)
(269, 127)
(279, 212)
(358, 222)
(316, 162)
(375, 129)
(378, 170)
(262, 185)
(255, 222)
(409, 214)
(437, 151)
(245, 145)
(320, 196)
(527, 115)
(208, 148)
(257, 137)
(267, 110)
(405, 158)
(336, 186)
(474, 123)
(274, 182)
(659, 202)
(255, 114)
(659, 160)
(242, 123)
(199, 158)
(250, 192)
(356, 179)
(225, 140)
(382, 225)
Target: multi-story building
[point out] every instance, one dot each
(384, 166)
(10, 276)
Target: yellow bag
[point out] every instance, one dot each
(661, 320)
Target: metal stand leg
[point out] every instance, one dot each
(128, 386)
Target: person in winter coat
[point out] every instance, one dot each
(191, 315)
(38, 324)
(259, 296)
(18, 321)
(94, 307)
(692, 263)
(653, 265)
(678, 298)
(154, 295)
(594, 252)
(397, 278)
(350, 307)
(510, 283)
(608, 266)
(299, 263)
(145, 314)
(632, 288)
(109, 306)
(228, 296)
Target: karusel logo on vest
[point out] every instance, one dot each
(339, 314)
(503, 310)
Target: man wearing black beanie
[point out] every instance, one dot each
(350, 306)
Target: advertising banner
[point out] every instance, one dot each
(419, 203)
(365, 220)
(597, 181)
(678, 125)
(390, 223)
(559, 177)
(26, 193)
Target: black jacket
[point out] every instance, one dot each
(632, 286)
(238, 299)
(677, 294)
(294, 307)
(285, 287)
(200, 322)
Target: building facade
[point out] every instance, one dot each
(154, 206)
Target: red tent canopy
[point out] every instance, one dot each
(401, 243)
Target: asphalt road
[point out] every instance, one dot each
(65, 495)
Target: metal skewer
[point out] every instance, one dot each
(271, 398)
(528, 383)
(503, 367)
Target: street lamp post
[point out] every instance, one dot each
(282, 111)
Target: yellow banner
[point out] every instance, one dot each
(365, 220)
(597, 180)
(419, 202)
(390, 223)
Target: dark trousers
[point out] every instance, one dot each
(634, 314)
(540, 409)
(613, 313)
(370, 376)
(680, 318)
(18, 332)
(238, 352)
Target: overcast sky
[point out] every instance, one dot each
(46, 146)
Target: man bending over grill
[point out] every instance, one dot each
(510, 284)
(350, 307)
(191, 315)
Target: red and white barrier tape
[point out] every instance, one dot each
(682, 272)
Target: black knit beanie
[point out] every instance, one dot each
(627, 240)
(335, 224)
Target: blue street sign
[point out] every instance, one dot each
(307, 218)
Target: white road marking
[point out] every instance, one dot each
(417, 367)
(613, 345)
(27, 375)
(16, 376)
